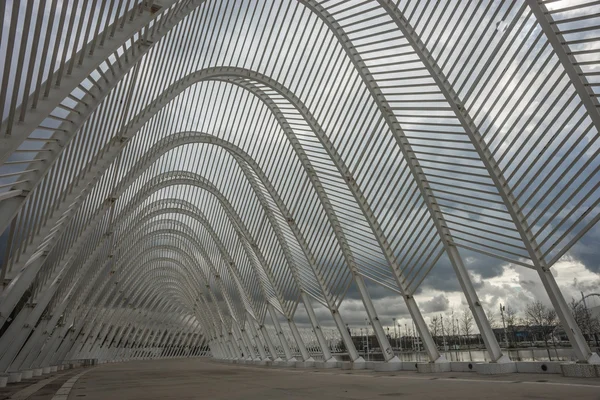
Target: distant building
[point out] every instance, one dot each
(523, 334)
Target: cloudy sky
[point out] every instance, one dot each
(509, 285)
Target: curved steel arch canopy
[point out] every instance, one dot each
(178, 177)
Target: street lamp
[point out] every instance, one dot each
(443, 332)
(406, 330)
(458, 330)
(362, 338)
(588, 318)
(367, 336)
(502, 308)
(395, 333)
(400, 334)
(416, 337)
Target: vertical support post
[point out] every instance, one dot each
(485, 329)
(215, 349)
(244, 352)
(32, 347)
(388, 353)
(282, 339)
(226, 348)
(269, 342)
(257, 339)
(16, 330)
(248, 343)
(578, 342)
(316, 327)
(223, 351)
(296, 333)
(428, 343)
(226, 343)
(339, 322)
(235, 349)
(62, 348)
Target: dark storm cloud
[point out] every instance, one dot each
(586, 250)
(437, 304)
(443, 278)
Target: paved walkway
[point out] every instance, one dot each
(37, 388)
(204, 379)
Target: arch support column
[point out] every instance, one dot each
(580, 346)
(303, 351)
(257, 339)
(248, 343)
(388, 353)
(339, 322)
(286, 348)
(316, 328)
(263, 331)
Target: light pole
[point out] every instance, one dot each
(400, 333)
(587, 317)
(406, 330)
(415, 339)
(443, 332)
(367, 337)
(454, 336)
(363, 340)
(395, 333)
(503, 324)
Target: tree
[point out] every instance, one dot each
(543, 320)
(585, 320)
(435, 327)
(466, 326)
(492, 318)
(510, 318)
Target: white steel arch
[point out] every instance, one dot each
(223, 160)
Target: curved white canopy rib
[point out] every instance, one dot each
(173, 171)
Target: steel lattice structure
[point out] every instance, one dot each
(178, 175)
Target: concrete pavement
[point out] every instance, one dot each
(205, 379)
